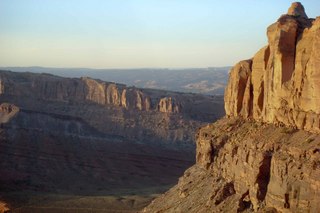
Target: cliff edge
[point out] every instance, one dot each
(281, 83)
(264, 156)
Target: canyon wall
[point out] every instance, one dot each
(248, 166)
(260, 158)
(61, 138)
(49, 87)
(112, 109)
(280, 84)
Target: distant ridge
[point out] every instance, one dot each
(208, 81)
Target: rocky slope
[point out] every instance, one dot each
(245, 166)
(260, 158)
(209, 81)
(69, 144)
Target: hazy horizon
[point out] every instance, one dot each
(135, 34)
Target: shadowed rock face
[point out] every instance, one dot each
(246, 163)
(280, 84)
(61, 138)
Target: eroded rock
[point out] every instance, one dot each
(260, 158)
(253, 168)
(282, 83)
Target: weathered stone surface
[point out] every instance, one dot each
(4, 207)
(236, 92)
(75, 137)
(168, 104)
(245, 166)
(110, 108)
(7, 111)
(282, 82)
(246, 163)
(53, 88)
(297, 9)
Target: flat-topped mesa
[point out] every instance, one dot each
(84, 89)
(281, 83)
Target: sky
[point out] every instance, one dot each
(136, 33)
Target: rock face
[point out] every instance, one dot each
(110, 108)
(245, 166)
(168, 105)
(280, 84)
(297, 9)
(7, 111)
(247, 162)
(61, 138)
(48, 87)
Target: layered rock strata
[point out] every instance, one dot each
(141, 115)
(280, 84)
(61, 138)
(245, 166)
(247, 162)
(49, 87)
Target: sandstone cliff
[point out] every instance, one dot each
(49, 87)
(135, 114)
(245, 166)
(280, 84)
(260, 158)
(7, 112)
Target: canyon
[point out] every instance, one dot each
(264, 155)
(73, 144)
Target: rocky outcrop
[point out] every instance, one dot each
(168, 104)
(133, 98)
(245, 166)
(280, 84)
(246, 163)
(4, 207)
(7, 112)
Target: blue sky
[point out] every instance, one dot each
(136, 33)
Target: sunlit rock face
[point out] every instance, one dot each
(280, 84)
(48, 87)
(112, 108)
(247, 162)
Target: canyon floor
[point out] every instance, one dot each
(72, 175)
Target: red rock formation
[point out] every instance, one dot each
(7, 111)
(245, 165)
(168, 104)
(280, 84)
(48, 87)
